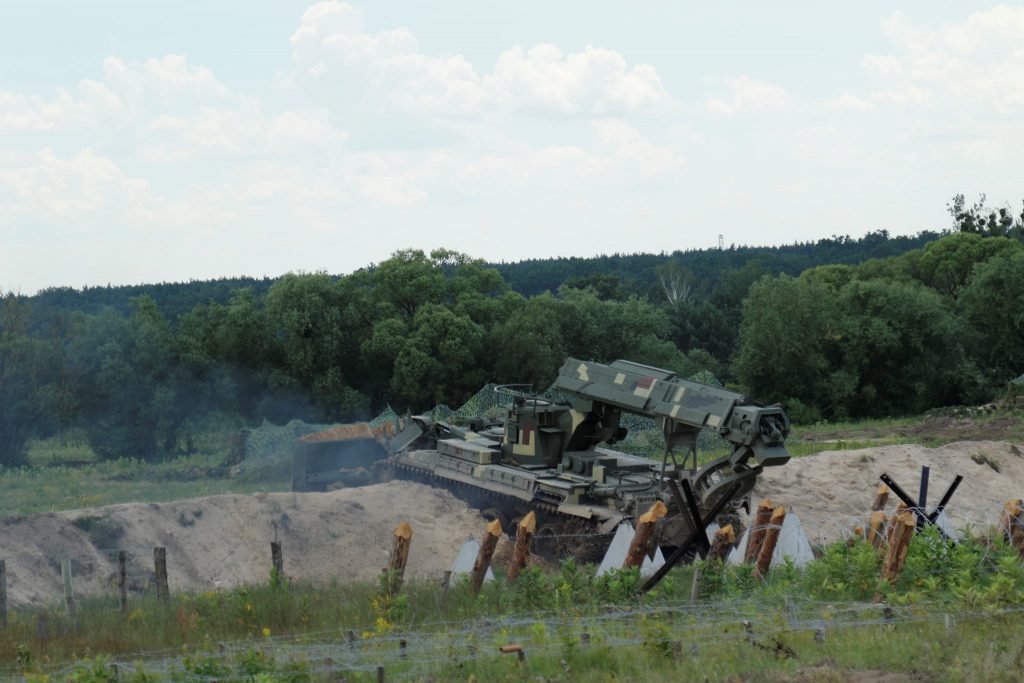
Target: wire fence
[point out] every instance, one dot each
(440, 643)
(687, 629)
(96, 569)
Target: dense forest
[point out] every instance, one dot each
(879, 325)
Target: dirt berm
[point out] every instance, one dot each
(221, 541)
(832, 491)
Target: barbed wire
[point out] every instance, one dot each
(416, 652)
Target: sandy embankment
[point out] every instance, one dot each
(832, 491)
(221, 541)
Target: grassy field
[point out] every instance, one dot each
(954, 615)
(64, 474)
(810, 625)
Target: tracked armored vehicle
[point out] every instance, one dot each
(553, 456)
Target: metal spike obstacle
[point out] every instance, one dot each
(918, 507)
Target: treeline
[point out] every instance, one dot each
(414, 331)
(941, 324)
(706, 269)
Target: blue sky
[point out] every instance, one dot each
(157, 141)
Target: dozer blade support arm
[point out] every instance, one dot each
(754, 431)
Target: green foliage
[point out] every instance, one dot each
(993, 304)
(857, 333)
(826, 343)
(946, 264)
(984, 220)
(788, 342)
(904, 346)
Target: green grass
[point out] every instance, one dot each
(65, 487)
(280, 629)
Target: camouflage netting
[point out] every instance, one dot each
(268, 440)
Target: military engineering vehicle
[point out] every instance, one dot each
(552, 456)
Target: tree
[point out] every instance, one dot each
(788, 342)
(945, 265)
(408, 280)
(131, 404)
(676, 283)
(441, 360)
(982, 220)
(30, 370)
(993, 304)
(904, 346)
(528, 344)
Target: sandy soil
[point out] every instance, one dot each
(832, 491)
(221, 541)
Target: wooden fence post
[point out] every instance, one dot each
(69, 594)
(771, 537)
(399, 557)
(900, 509)
(695, 586)
(903, 527)
(521, 553)
(444, 589)
(277, 559)
(725, 539)
(644, 534)
(163, 592)
(755, 534)
(483, 558)
(1011, 524)
(122, 580)
(881, 498)
(876, 528)
(3, 594)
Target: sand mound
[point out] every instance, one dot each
(832, 491)
(222, 541)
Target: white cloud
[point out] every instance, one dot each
(239, 132)
(169, 77)
(976, 63)
(747, 95)
(176, 110)
(848, 101)
(90, 104)
(74, 193)
(619, 154)
(595, 80)
(127, 92)
(332, 37)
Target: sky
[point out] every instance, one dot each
(168, 141)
